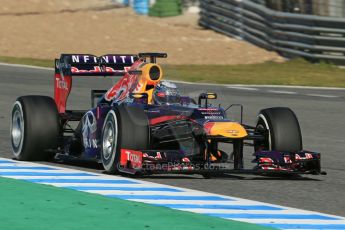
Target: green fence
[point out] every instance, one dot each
(166, 8)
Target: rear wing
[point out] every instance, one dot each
(105, 65)
(70, 65)
(90, 65)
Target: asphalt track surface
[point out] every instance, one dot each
(320, 112)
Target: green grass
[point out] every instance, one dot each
(293, 72)
(26, 205)
(28, 61)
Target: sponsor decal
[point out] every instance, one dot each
(61, 84)
(84, 59)
(185, 160)
(131, 158)
(157, 156)
(214, 117)
(118, 63)
(233, 132)
(287, 159)
(128, 83)
(307, 156)
(121, 90)
(62, 88)
(117, 59)
(211, 113)
(208, 109)
(89, 129)
(112, 70)
(96, 69)
(276, 168)
(266, 160)
(90, 143)
(108, 59)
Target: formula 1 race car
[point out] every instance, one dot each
(142, 125)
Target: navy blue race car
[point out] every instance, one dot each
(142, 125)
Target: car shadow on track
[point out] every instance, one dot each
(225, 177)
(98, 168)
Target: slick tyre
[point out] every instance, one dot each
(281, 129)
(124, 128)
(35, 128)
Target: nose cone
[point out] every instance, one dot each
(225, 129)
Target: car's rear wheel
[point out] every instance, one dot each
(281, 129)
(124, 128)
(35, 128)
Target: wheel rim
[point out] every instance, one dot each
(17, 129)
(263, 127)
(260, 144)
(109, 142)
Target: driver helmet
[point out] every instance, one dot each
(166, 93)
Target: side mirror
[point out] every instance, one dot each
(140, 97)
(206, 97)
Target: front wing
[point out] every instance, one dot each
(175, 162)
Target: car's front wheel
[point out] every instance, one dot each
(281, 129)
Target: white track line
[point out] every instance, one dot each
(204, 202)
(242, 88)
(170, 196)
(282, 92)
(27, 66)
(102, 185)
(236, 211)
(322, 95)
(29, 170)
(289, 221)
(262, 86)
(51, 177)
(292, 87)
(8, 164)
(154, 193)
